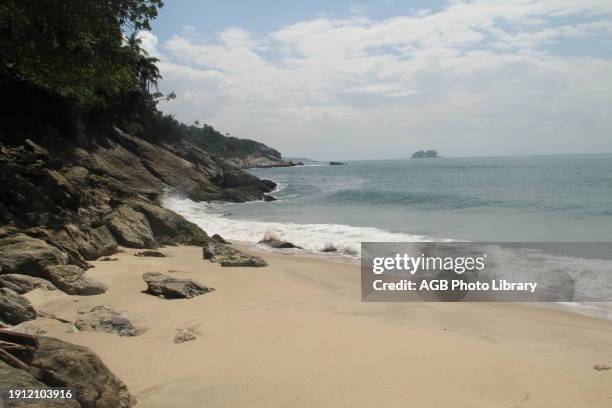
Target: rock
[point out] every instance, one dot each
(131, 228)
(268, 198)
(154, 254)
(169, 228)
(336, 163)
(107, 258)
(15, 378)
(183, 335)
(106, 319)
(23, 283)
(28, 328)
(329, 248)
(602, 367)
(28, 256)
(208, 251)
(15, 309)
(72, 280)
(62, 364)
(228, 256)
(279, 244)
(159, 284)
(218, 238)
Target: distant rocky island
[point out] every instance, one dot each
(425, 154)
(336, 163)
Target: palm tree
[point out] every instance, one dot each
(146, 66)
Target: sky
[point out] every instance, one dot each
(380, 79)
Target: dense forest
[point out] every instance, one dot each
(75, 68)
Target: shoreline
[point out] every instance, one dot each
(295, 333)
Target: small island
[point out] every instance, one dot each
(336, 163)
(425, 154)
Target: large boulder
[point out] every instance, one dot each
(60, 364)
(131, 228)
(73, 280)
(106, 319)
(14, 308)
(17, 379)
(168, 287)
(23, 283)
(169, 228)
(225, 255)
(25, 255)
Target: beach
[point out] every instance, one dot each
(296, 334)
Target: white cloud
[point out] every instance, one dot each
(474, 78)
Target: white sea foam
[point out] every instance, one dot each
(347, 239)
(311, 237)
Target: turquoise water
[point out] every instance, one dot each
(546, 198)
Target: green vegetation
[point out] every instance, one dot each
(68, 68)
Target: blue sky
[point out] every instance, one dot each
(380, 79)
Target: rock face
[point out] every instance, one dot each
(14, 308)
(131, 228)
(14, 378)
(168, 287)
(228, 256)
(23, 283)
(106, 319)
(60, 364)
(72, 280)
(28, 256)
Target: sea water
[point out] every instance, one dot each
(496, 199)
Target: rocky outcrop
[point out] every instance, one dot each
(14, 308)
(25, 255)
(23, 283)
(168, 287)
(15, 378)
(131, 228)
(225, 255)
(260, 160)
(73, 280)
(107, 319)
(60, 364)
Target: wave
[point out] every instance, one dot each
(311, 237)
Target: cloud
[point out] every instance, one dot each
(480, 77)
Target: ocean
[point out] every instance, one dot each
(543, 198)
(491, 199)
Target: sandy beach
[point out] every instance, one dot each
(295, 334)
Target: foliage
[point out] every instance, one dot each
(73, 48)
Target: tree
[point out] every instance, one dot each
(73, 48)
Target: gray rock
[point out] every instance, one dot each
(225, 255)
(183, 335)
(279, 244)
(107, 319)
(15, 378)
(28, 328)
(72, 280)
(25, 255)
(62, 364)
(168, 287)
(23, 283)
(14, 308)
(131, 228)
(208, 251)
(169, 228)
(218, 238)
(154, 254)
